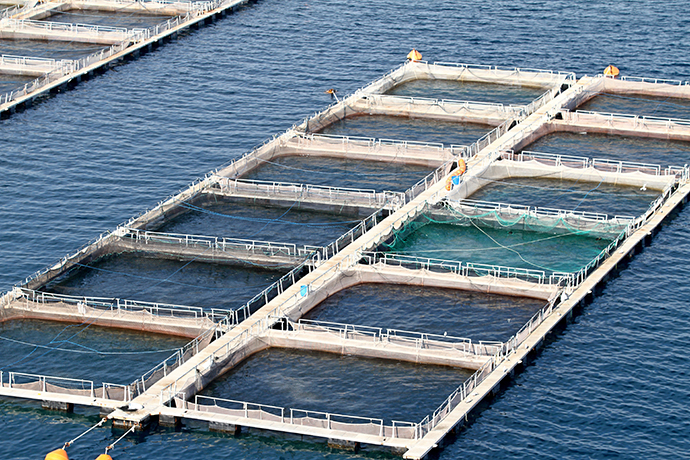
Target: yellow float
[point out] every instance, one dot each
(459, 171)
(611, 71)
(414, 55)
(57, 454)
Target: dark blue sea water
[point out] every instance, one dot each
(613, 385)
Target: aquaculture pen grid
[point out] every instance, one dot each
(233, 334)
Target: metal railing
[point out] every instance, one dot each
(29, 61)
(636, 120)
(462, 393)
(577, 162)
(120, 32)
(175, 360)
(130, 38)
(542, 100)
(299, 417)
(374, 145)
(107, 237)
(416, 340)
(254, 247)
(467, 269)
(18, 9)
(660, 81)
(539, 212)
(120, 305)
(240, 340)
(492, 136)
(429, 180)
(583, 273)
(308, 192)
(351, 235)
(446, 104)
(65, 386)
(526, 330)
(565, 75)
(146, 4)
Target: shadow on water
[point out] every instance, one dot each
(48, 49)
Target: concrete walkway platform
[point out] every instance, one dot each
(25, 29)
(306, 196)
(366, 342)
(621, 125)
(440, 110)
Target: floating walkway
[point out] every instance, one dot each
(275, 316)
(371, 342)
(440, 110)
(25, 29)
(178, 320)
(576, 168)
(306, 196)
(231, 251)
(22, 23)
(31, 66)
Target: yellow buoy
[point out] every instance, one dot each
(462, 167)
(104, 457)
(57, 454)
(414, 55)
(611, 71)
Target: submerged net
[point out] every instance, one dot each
(516, 237)
(544, 220)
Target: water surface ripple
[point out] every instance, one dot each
(613, 385)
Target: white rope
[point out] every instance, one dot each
(110, 447)
(69, 443)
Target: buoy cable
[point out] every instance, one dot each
(97, 425)
(111, 446)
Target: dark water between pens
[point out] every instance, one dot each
(613, 385)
